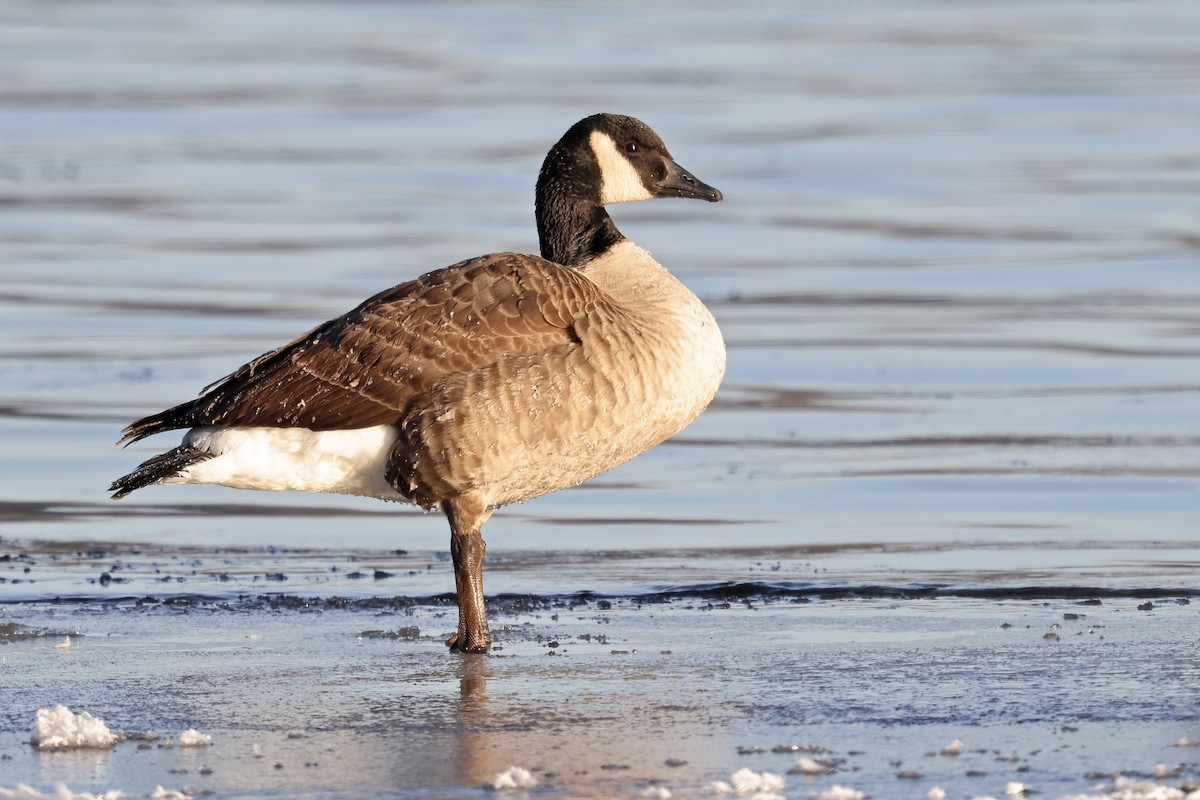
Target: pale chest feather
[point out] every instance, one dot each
(661, 348)
(667, 339)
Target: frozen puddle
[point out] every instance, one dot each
(692, 698)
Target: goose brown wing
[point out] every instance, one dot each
(365, 367)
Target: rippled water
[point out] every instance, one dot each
(956, 269)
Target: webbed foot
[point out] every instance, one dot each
(464, 642)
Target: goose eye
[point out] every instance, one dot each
(632, 147)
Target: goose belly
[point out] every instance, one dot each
(295, 459)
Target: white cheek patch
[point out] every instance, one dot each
(619, 181)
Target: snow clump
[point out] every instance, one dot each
(194, 738)
(748, 783)
(60, 727)
(514, 778)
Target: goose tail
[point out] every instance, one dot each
(158, 469)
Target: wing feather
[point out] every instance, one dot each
(365, 367)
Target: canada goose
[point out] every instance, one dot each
(481, 384)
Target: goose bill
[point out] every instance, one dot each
(678, 182)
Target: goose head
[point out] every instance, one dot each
(601, 160)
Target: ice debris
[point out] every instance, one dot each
(748, 783)
(61, 792)
(1128, 789)
(1015, 789)
(836, 792)
(194, 738)
(656, 793)
(514, 778)
(160, 793)
(952, 748)
(937, 793)
(60, 727)
(809, 766)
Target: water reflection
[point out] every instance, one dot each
(475, 760)
(595, 725)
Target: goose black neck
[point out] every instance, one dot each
(573, 227)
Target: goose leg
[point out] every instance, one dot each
(467, 549)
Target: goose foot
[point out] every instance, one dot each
(476, 644)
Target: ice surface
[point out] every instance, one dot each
(61, 792)
(59, 727)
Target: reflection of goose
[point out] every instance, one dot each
(491, 381)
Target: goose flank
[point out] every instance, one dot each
(481, 384)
